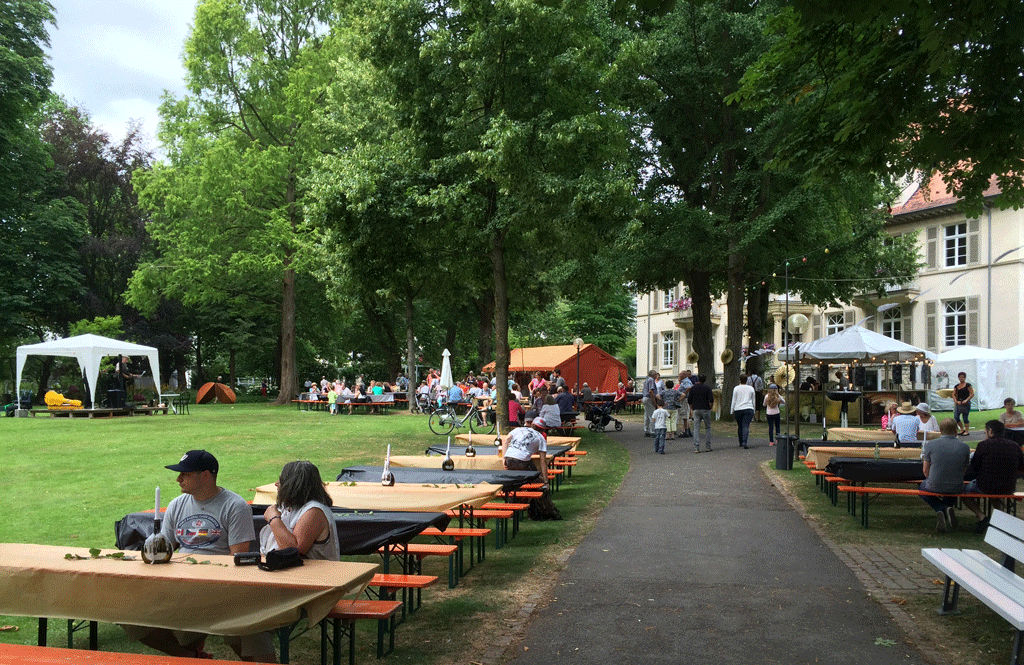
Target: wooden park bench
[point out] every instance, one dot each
(869, 494)
(411, 556)
(388, 586)
(27, 654)
(992, 582)
(342, 621)
(476, 537)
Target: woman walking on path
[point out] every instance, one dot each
(772, 400)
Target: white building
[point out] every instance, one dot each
(970, 291)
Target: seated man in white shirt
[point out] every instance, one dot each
(906, 425)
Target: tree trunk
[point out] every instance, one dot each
(231, 368)
(46, 367)
(699, 284)
(734, 340)
(501, 350)
(757, 313)
(289, 373)
(200, 372)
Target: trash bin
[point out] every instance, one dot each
(784, 444)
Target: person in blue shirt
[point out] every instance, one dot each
(455, 395)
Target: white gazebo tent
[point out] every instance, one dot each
(89, 350)
(858, 344)
(995, 375)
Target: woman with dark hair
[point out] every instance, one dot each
(302, 516)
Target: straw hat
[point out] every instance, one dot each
(907, 408)
(945, 393)
(727, 356)
(692, 357)
(784, 375)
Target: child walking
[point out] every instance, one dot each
(660, 421)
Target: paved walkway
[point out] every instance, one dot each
(698, 558)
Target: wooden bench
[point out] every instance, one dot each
(456, 535)
(992, 582)
(869, 494)
(80, 413)
(566, 463)
(479, 518)
(517, 511)
(28, 654)
(412, 555)
(342, 620)
(388, 586)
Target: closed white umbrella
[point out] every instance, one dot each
(446, 370)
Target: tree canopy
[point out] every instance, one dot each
(894, 87)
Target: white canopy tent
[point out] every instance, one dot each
(995, 375)
(863, 345)
(89, 350)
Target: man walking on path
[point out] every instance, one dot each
(701, 400)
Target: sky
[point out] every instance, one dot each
(115, 58)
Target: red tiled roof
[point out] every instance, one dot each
(936, 195)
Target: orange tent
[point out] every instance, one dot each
(598, 368)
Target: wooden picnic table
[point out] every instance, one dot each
(881, 435)
(820, 455)
(38, 581)
(414, 498)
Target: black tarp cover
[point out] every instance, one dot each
(509, 480)
(359, 531)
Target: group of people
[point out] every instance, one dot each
(337, 393)
(669, 407)
(207, 519)
(993, 467)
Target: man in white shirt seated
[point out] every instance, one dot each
(906, 425)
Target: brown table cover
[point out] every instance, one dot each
(881, 435)
(820, 455)
(218, 598)
(413, 498)
(478, 463)
(488, 439)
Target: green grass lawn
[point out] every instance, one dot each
(67, 481)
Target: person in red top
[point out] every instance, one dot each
(619, 403)
(516, 413)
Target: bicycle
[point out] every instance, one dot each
(444, 420)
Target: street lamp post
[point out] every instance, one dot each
(578, 343)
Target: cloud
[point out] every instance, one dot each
(115, 58)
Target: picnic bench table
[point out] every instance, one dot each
(994, 583)
(508, 480)
(820, 455)
(39, 581)
(413, 498)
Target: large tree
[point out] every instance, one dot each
(714, 217)
(510, 105)
(900, 86)
(228, 204)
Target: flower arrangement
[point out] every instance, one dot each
(683, 304)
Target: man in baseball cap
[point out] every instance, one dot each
(205, 519)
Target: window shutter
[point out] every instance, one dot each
(816, 327)
(973, 241)
(905, 326)
(972, 320)
(848, 319)
(655, 360)
(930, 309)
(932, 247)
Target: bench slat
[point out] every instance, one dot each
(979, 587)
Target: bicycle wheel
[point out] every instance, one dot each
(441, 422)
(481, 423)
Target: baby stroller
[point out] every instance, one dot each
(600, 415)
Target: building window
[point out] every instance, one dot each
(955, 322)
(668, 349)
(956, 245)
(669, 298)
(892, 323)
(835, 324)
